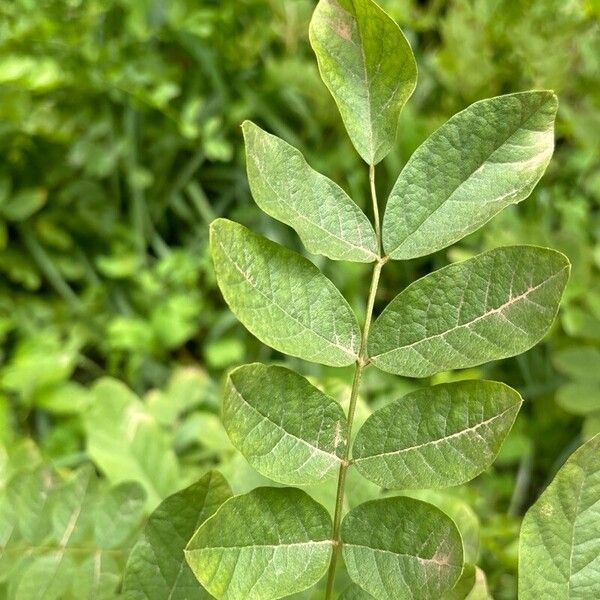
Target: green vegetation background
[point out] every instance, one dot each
(120, 142)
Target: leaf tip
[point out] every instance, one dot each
(248, 125)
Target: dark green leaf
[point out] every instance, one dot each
(559, 553)
(401, 548)
(156, 568)
(436, 437)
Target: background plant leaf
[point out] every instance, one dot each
(82, 537)
(579, 362)
(126, 442)
(580, 397)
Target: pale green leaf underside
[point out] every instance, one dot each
(559, 554)
(436, 437)
(282, 298)
(156, 568)
(400, 548)
(483, 159)
(285, 427)
(267, 544)
(287, 188)
(368, 66)
(495, 305)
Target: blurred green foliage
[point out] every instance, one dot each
(120, 139)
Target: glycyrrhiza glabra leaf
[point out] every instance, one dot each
(286, 428)
(483, 159)
(436, 437)
(369, 68)
(285, 187)
(559, 549)
(156, 568)
(282, 298)
(269, 543)
(493, 306)
(402, 549)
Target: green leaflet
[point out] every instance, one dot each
(267, 544)
(156, 568)
(483, 159)
(282, 298)
(495, 305)
(286, 428)
(126, 442)
(400, 548)
(369, 68)
(437, 436)
(288, 189)
(559, 553)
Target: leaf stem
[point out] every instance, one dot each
(361, 363)
(375, 208)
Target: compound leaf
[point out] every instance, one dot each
(483, 159)
(156, 568)
(282, 298)
(286, 428)
(288, 189)
(369, 68)
(495, 305)
(269, 543)
(559, 554)
(437, 436)
(400, 548)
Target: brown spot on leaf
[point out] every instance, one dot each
(342, 28)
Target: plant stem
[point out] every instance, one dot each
(375, 208)
(361, 363)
